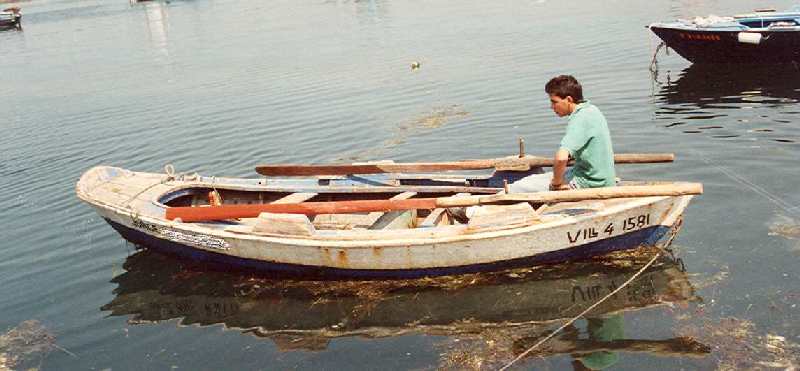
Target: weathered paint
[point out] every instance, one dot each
(341, 260)
(649, 236)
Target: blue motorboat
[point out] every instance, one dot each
(764, 36)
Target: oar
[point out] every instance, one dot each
(505, 163)
(203, 213)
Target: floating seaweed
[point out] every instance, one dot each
(737, 345)
(27, 342)
(438, 117)
(785, 227)
(702, 282)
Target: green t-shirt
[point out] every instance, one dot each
(589, 143)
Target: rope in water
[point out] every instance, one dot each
(789, 208)
(526, 352)
(654, 61)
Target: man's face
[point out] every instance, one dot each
(561, 106)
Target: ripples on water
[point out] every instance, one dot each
(220, 86)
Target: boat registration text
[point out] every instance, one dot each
(623, 226)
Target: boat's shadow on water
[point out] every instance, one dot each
(522, 304)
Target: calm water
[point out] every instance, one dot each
(217, 86)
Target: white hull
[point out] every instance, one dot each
(563, 228)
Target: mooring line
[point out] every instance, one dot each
(525, 353)
(789, 208)
(654, 61)
(65, 350)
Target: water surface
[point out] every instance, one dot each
(218, 86)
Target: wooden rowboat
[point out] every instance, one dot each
(378, 225)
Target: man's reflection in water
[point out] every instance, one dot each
(600, 329)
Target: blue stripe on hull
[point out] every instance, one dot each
(644, 237)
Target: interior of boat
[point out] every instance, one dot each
(483, 218)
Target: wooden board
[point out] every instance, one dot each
(505, 164)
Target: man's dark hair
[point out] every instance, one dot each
(563, 86)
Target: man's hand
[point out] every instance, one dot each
(559, 187)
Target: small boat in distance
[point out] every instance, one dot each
(379, 224)
(10, 18)
(764, 36)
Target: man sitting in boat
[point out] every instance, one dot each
(587, 141)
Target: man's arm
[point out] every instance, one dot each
(559, 168)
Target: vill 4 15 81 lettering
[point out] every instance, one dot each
(627, 225)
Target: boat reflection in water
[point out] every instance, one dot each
(715, 86)
(725, 101)
(522, 303)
